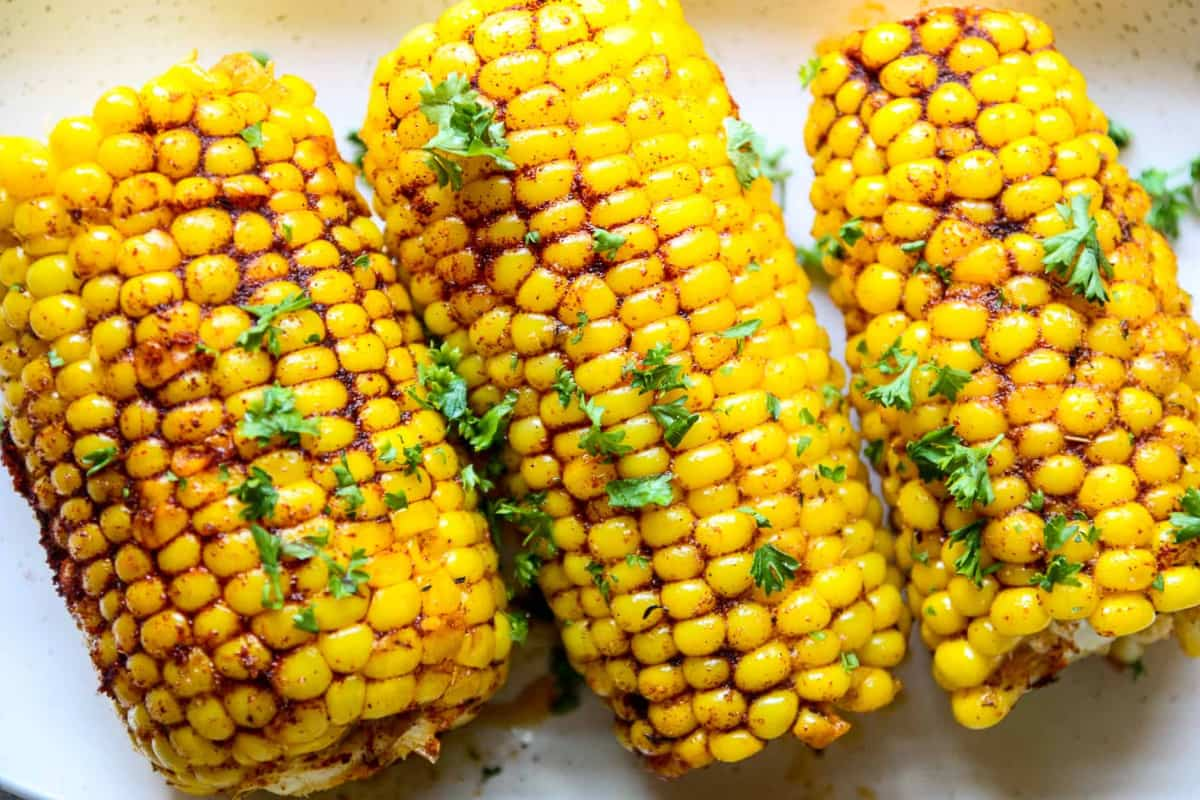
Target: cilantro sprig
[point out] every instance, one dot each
(1185, 524)
(264, 328)
(640, 492)
(1170, 199)
(1076, 255)
(446, 392)
(466, 129)
(942, 455)
(273, 415)
(970, 563)
(258, 493)
(771, 568)
(1059, 570)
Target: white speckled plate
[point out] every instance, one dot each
(1093, 735)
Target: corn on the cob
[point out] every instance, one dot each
(608, 236)
(1025, 360)
(206, 369)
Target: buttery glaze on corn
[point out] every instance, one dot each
(964, 128)
(614, 116)
(135, 236)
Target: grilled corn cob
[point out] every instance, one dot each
(206, 370)
(1025, 362)
(581, 217)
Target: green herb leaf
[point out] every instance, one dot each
(471, 479)
(675, 420)
(261, 57)
(874, 452)
(941, 454)
(1056, 531)
(582, 322)
(525, 567)
(1169, 203)
(55, 359)
(306, 619)
(914, 246)
(269, 546)
(533, 238)
(606, 243)
(345, 581)
(1120, 135)
(387, 454)
(637, 560)
(596, 441)
(564, 386)
(98, 459)
(252, 338)
(1037, 501)
(774, 406)
(949, 381)
(1059, 570)
(596, 570)
(656, 374)
(851, 231)
(970, 563)
(518, 628)
(1186, 524)
(741, 331)
(1076, 255)
(252, 135)
(466, 129)
(809, 71)
(802, 443)
(348, 489)
(413, 457)
(760, 519)
(898, 392)
(836, 474)
(1158, 584)
(745, 149)
(258, 493)
(396, 501)
(771, 568)
(639, 492)
(849, 662)
(484, 431)
(362, 261)
(274, 414)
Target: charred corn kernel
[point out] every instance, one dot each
(1077, 461)
(238, 669)
(626, 235)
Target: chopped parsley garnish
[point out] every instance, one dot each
(1076, 255)
(1158, 584)
(802, 443)
(942, 454)
(306, 619)
(98, 459)
(362, 261)
(251, 339)
(358, 148)
(873, 450)
(596, 441)
(466, 128)
(760, 519)
(258, 493)
(287, 232)
(596, 570)
(446, 392)
(387, 453)
(637, 560)
(745, 149)
(977, 346)
(1170, 201)
(836, 474)
(809, 71)
(269, 546)
(55, 359)
(1036, 501)
(831, 396)
(564, 386)
(412, 459)
(606, 243)
(741, 332)
(851, 231)
(914, 246)
(675, 420)
(533, 238)
(639, 492)
(949, 381)
(525, 567)
(274, 414)
(396, 501)
(581, 322)
(849, 662)
(1059, 570)
(345, 581)
(347, 487)
(970, 563)
(774, 406)
(655, 374)
(1056, 532)
(471, 479)
(1186, 524)
(261, 56)
(252, 135)
(772, 568)
(518, 630)
(1120, 135)
(898, 392)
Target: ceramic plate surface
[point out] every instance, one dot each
(1094, 734)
